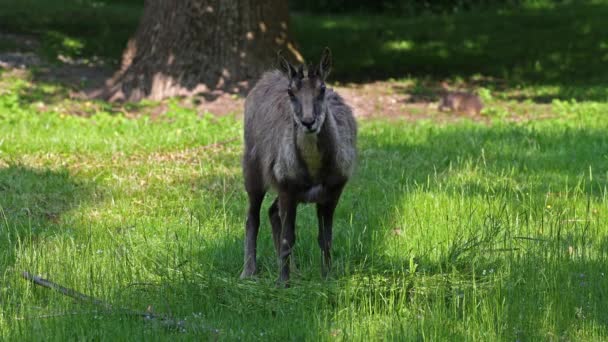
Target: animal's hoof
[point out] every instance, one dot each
(325, 273)
(293, 267)
(282, 284)
(247, 273)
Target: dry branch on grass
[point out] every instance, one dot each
(165, 321)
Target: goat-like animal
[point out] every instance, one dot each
(459, 101)
(300, 140)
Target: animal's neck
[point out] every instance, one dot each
(313, 148)
(325, 137)
(306, 140)
(309, 152)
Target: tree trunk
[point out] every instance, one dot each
(186, 47)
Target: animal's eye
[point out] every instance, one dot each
(290, 92)
(321, 91)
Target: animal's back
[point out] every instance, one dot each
(265, 108)
(266, 117)
(346, 127)
(342, 113)
(472, 104)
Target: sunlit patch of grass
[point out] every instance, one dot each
(58, 45)
(399, 45)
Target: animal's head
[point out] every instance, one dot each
(307, 92)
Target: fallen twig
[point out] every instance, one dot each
(531, 238)
(59, 314)
(220, 143)
(64, 290)
(492, 250)
(166, 321)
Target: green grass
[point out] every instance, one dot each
(456, 230)
(459, 231)
(537, 51)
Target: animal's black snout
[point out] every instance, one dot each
(308, 122)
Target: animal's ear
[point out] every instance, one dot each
(325, 64)
(286, 67)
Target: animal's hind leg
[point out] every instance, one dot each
(252, 227)
(287, 211)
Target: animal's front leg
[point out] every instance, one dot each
(287, 210)
(325, 215)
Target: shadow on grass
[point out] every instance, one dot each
(32, 202)
(561, 47)
(535, 159)
(74, 29)
(63, 89)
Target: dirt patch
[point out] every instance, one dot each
(375, 99)
(18, 60)
(379, 99)
(368, 101)
(219, 102)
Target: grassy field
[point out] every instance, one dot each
(450, 229)
(454, 231)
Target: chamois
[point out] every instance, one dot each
(300, 141)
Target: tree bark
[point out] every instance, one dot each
(187, 47)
